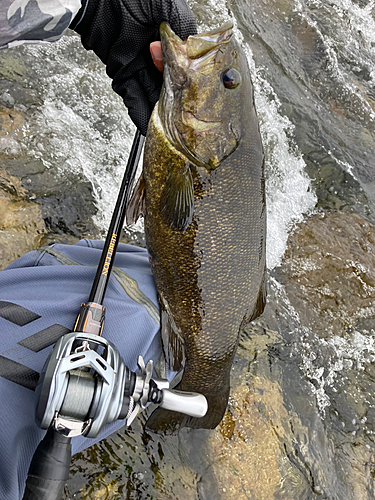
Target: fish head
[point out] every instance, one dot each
(206, 90)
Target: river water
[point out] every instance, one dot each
(301, 419)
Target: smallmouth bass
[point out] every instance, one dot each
(203, 198)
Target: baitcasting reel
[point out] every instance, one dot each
(85, 385)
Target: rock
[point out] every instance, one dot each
(66, 203)
(21, 223)
(7, 99)
(12, 122)
(13, 94)
(12, 66)
(248, 450)
(328, 272)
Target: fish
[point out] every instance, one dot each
(202, 195)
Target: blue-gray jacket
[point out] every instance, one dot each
(40, 297)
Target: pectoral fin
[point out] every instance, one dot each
(136, 205)
(177, 199)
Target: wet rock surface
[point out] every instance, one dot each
(21, 224)
(328, 271)
(37, 207)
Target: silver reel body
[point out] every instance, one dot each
(98, 385)
(85, 385)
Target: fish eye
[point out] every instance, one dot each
(231, 78)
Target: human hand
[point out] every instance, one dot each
(157, 55)
(120, 33)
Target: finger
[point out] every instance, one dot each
(157, 56)
(182, 20)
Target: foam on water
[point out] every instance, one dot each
(83, 126)
(89, 133)
(355, 351)
(288, 188)
(325, 362)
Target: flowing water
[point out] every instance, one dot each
(301, 419)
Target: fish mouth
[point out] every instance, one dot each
(191, 120)
(181, 58)
(196, 51)
(196, 46)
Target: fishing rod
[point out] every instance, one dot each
(85, 384)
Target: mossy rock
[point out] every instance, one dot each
(21, 224)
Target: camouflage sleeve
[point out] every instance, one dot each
(35, 20)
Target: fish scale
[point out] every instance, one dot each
(207, 251)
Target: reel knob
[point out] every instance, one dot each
(190, 403)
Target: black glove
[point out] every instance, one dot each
(120, 32)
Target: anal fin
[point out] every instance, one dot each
(172, 342)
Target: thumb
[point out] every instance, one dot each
(157, 56)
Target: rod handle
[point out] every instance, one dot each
(49, 468)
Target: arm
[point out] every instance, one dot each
(35, 20)
(120, 33)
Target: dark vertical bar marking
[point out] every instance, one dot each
(44, 338)
(17, 373)
(16, 314)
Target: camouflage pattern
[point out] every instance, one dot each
(35, 20)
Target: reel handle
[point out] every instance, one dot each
(49, 468)
(189, 403)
